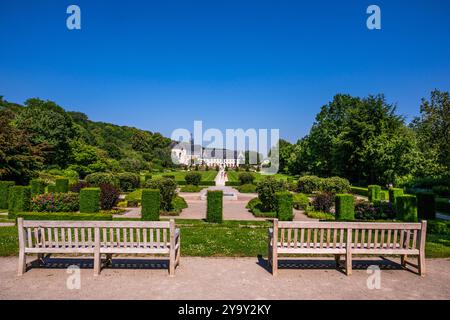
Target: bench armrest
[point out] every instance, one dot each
(177, 234)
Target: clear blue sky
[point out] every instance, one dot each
(160, 65)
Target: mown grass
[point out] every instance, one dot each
(209, 175)
(234, 176)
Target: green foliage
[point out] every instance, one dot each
(62, 185)
(309, 184)
(90, 200)
(18, 200)
(246, 178)
(232, 183)
(128, 181)
(300, 201)
(394, 193)
(406, 206)
(374, 193)
(284, 206)
(193, 178)
(179, 203)
(380, 210)
(320, 215)
(191, 188)
(266, 189)
(109, 196)
(37, 187)
(253, 203)
(51, 188)
(247, 188)
(426, 205)
(97, 179)
(64, 216)
(4, 192)
(345, 209)
(147, 177)
(150, 204)
(55, 202)
(214, 206)
(360, 191)
(335, 185)
(323, 202)
(168, 190)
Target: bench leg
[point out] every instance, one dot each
(172, 262)
(97, 263)
(274, 264)
(403, 258)
(421, 263)
(22, 264)
(348, 263)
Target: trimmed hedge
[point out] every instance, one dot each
(374, 193)
(37, 187)
(90, 200)
(300, 201)
(64, 216)
(232, 183)
(345, 207)
(62, 185)
(151, 204)
(443, 205)
(19, 200)
(394, 193)
(406, 208)
(193, 178)
(4, 192)
(285, 210)
(426, 205)
(360, 191)
(207, 183)
(214, 206)
(148, 177)
(51, 188)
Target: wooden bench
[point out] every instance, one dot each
(97, 238)
(349, 239)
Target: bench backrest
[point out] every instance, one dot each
(332, 235)
(88, 234)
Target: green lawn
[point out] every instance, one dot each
(209, 175)
(230, 239)
(234, 176)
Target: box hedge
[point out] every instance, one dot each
(62, 185)
(4, 192)
(64, 216)
(374, 193)
(51, 188)
(285, 211)
(359, 191)
(151, 204)
(232, 183)
(19, 200)
(90, 200)
(148, 177)
(426, 205)
(394, 193)
(37, 187)
(214, 206)
(406, 206)
(345, 207)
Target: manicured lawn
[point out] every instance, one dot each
(209, 175)
(234, 176)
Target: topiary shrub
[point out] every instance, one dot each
(359, 191)
(394, 193)
(247, 188)
(246, 178)
(90, 200)
(51, 188)
(98, 178)
(190, 188)
(128, 181)
(179, 203)
(4, 193)
(335, 185)
(300, 201)
(148, 177)
(56, 202)
(284, 206)
(37, 187)
(253, 203)
(62, 185)
(323, 202)
(426, 205)
(19, 199)
(78, 186)
(309, 184)
(151, 204)
(344, 205)
(266, 189)
(374, 193)
(214, 206)
(168, 190)
(406, 206)
(109, 196)
(193, 178)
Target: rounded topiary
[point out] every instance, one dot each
(150, 204)
(214, 206)
(99, 178)
(128, 181)
(309, 184)
(345, 208)
(335, 185)
(246, 178)
(193, 178)
(90, 200)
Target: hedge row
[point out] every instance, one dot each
(374, 193)
(345, 207)
(285, 210)
(37, 187)
(62, 185)
(232, 183)
(19, 200)
(63, 216)
(151, 203)
(406, 208)
(4, 192)
(214, 206)
(90, 200)
(384, 194)
(394, 193)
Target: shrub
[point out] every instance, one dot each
(426, 205)
(335, 185)
(147, 177)
(443, 205)
(128, 181)
(406, 208)
(253, 203)
(365, 210)
(359, 191)
(179, 204)
(344, 205)
(394, 193)
(51, 188)
(320, 215)
(90, 200)
(168, 190)
(191, 188)
(4, 193)
(169, 176)
(284, 206)
(150, 204)
(214, 206)
(300, 201)
(132, 203)
(309, 184)
(246, 178)
(55, 202)
(247, 188)
(232, 183)
(37, 187)
(109, 196)
(323, 202)
(266, 189)
(207, 183)
(374, 193)
(438, 227)
(98, 178)
(193, 178)
(64, 216)
(19, 199)
(78, 186)
(62, 185)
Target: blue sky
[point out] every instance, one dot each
(160, 65)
